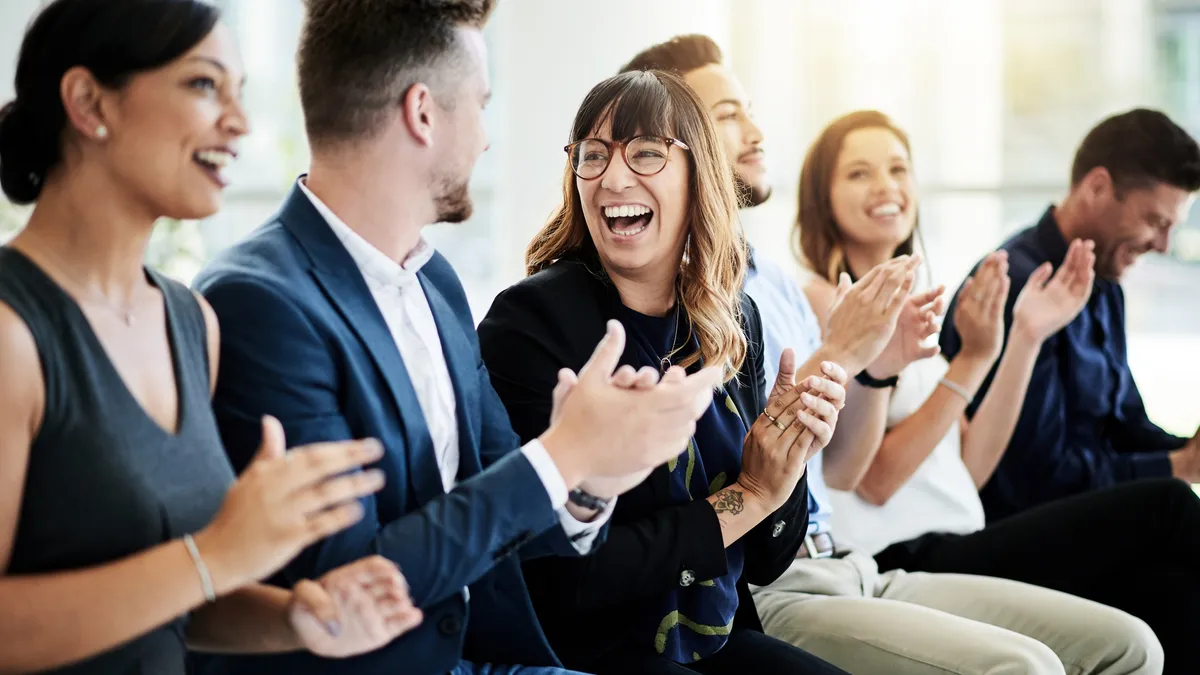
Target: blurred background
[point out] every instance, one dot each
(996, 95)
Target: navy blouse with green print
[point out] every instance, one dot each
(703, 611)
(664, 584)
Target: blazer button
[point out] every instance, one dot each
(687, 578)
(778, 529)
(449, 625)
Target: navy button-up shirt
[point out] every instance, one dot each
(1083, 425)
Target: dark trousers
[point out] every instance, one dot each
(747, 651)
(1135, 546)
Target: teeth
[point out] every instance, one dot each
(890, 209)
(625, 211)
(628, 233)
(217, 158)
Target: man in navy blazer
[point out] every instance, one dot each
(339, 320)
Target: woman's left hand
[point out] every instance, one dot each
(354, 609)
(824, 397)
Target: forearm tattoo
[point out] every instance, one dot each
(729, 501)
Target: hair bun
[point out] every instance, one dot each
(21, 173)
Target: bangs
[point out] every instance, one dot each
(636, 103)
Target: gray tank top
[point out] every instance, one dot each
(105, 481)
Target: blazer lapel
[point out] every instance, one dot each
(339, 277)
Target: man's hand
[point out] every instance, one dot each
(864, 315)
(602, 430)
(626, 378)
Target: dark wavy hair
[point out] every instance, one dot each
(114, 40)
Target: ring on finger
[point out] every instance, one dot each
(773, 419)
(779, 425)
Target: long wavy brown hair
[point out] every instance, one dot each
(815, 234)
(713, 266)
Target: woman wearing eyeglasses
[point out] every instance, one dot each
(647, 235)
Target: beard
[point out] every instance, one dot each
(748, 194)
(453, 201)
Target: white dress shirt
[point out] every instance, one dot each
(401, 300)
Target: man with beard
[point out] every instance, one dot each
(788, 318)
(340, 321)
(1083, 425)
(835, 603)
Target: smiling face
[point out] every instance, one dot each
(1139, 221)
(173, 130)
(637, 223)
(872, 191)
(726, 100)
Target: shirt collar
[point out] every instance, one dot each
(1050, 238)
(370, 260)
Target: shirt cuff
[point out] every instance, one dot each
(581, 534)
(552, 480)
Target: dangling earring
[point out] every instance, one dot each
(101, 132)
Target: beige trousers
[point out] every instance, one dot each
(899, 623)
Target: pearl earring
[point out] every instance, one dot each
(102, 131)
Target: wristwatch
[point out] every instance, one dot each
(864, 378)
(587, 501)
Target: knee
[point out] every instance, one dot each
(1132, 646)
(1030, 657)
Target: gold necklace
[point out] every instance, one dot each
(125, 314)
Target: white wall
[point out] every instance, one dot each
(14, 15)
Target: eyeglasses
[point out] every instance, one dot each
(646, 155)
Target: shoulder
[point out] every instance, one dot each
(751, 319)
(558, 313)
(268, 256)
(20, 365)
(565, 289)
(212, 329)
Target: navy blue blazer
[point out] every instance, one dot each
(302, 339)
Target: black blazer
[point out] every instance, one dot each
(552, 320)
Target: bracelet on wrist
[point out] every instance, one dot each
(206, 583)
(957, 389)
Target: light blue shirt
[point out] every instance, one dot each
(789, 321)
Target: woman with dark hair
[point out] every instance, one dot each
(124, 536)
(647, 234)
(907, 465)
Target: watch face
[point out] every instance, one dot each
(586, 500)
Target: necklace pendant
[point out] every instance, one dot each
(664, 364)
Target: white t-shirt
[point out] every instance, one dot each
(940, 497)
